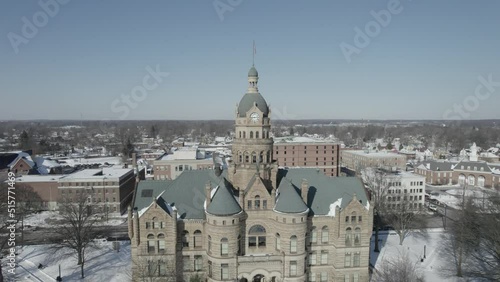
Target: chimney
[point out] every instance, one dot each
(273, 197)
(130, 223)
(136, 227)
(208, 189)
(304, 189)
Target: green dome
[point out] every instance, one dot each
(253, 72)
(247, 102)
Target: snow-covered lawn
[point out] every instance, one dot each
(102, 264)
(453, 197)
(438, 264)
(51, 218)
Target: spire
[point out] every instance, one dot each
(253, 54)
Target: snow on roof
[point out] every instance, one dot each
(333, 206)
(379, 154)
(101, 174)
(38, 178)
(301, 139)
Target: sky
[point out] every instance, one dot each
(119, 59)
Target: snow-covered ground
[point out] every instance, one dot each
(50, 218)
(102, 264)
(453, 197)
(438, 264)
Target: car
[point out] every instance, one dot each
(433, 207)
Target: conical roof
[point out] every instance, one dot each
(289, 200)
(223, 202)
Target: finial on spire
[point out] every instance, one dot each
(253, 53)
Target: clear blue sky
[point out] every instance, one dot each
(88, 54)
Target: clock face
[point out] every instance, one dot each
(254, 117)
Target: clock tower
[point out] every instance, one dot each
(252, 146)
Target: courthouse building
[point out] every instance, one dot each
(251, 221)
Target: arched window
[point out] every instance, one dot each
(257, 202)
(257, 236)
(224, 248)
(254, 157)
(240, 134)
(247, 157)
(267, 134)
(357, 236)
(209, 243)
(244, 134)
(348, 234)
(240, 158)
(151, 243)
(324, 234)
(268, 156)
(185, 239)
(197, 239)
(261, 157)
(263, 134)
(293, 244)
(256, 135)
(161, 243)
(471, 180)
(278, 242)
(314, 235)
(251, 134)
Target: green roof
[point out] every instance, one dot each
(289, 199)
(325, 190)
(186, 193)
(223, 202)
(253, 72)
(247, 102)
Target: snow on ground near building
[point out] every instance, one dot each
(438, 264)
(102, 264)
(50, 218)
(453, 197)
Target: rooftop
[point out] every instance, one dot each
(107, 172)
(372, 154)
(300, 139)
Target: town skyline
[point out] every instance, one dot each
(418, 65)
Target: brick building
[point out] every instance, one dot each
(308, 153)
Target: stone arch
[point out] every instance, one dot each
(461, 179)
(471, 180)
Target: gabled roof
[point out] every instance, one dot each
(438, 166)
(325, 190)
(288, 199)
(223, 201)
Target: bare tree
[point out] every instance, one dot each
(484, 240)
(78, 226)
(378, 189)
(155, 268)
(394, 209)
(462, 233)
(399, 269)
(403, 216)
